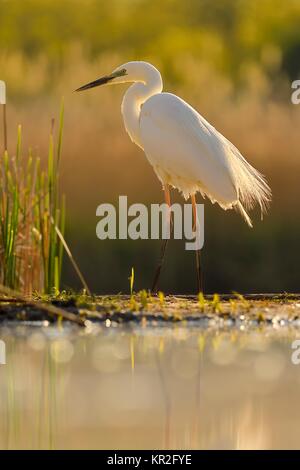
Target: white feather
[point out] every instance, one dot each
(190, 154)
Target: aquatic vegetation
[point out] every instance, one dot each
(32, 218)
(144, 299)
(161, 297)
(201, 301)
(216, 305)
(131, 281)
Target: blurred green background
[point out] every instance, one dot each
(233, 60)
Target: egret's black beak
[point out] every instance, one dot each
(98, 82)
(103, 80)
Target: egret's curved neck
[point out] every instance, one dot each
(133, 100)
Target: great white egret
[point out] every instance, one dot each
(185, 150)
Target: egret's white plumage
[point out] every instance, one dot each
(185, 151)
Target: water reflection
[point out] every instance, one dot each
(161, 387)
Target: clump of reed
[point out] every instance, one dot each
(32, 217)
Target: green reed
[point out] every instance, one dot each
(32, 218)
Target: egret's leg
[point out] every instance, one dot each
(164, 242)
(198, 252)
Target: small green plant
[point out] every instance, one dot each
(161, 298)
(216, 304)
(201, 301)
(131, 281)
(245, 303)
(144, 298)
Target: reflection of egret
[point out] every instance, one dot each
(196, 416)
(251, 432)
(167, 402)
(185, 151)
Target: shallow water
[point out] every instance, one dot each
(153, 387)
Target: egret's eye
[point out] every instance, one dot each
(120, 73)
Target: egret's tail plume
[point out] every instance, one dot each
(244, 214)
(251, 184)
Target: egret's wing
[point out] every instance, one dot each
(177, 140)
(180, 141)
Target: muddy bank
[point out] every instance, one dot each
(220, 310)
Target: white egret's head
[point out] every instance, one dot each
(136, 71)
